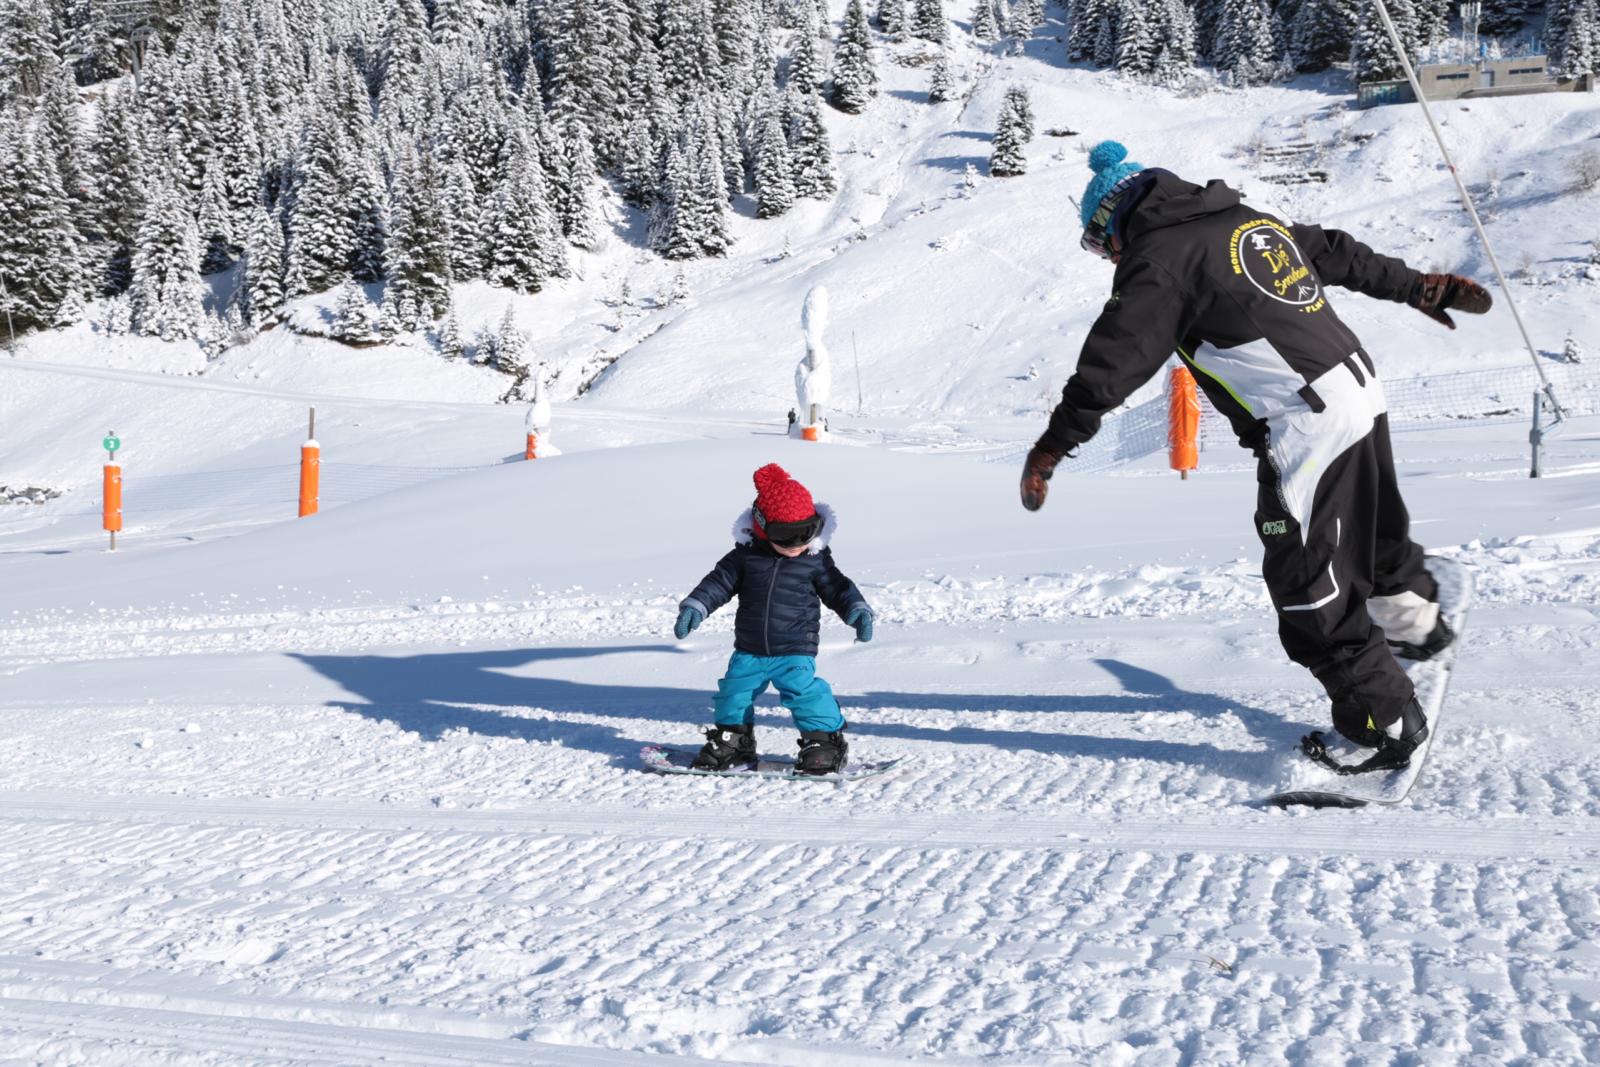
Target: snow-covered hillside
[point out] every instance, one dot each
(364, 787)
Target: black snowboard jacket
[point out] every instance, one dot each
(779, 613)
(1239, 295)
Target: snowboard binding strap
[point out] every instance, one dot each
(1386, 758)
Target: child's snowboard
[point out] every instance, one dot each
(1315, 786)
(665, 760)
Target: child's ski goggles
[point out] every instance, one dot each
(788, 534)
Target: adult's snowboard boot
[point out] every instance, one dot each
(1392, 746)
(1441, 638)
(725, 747)
(822, 752)
(1413, 626)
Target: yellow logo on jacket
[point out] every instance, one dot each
(1264, 252)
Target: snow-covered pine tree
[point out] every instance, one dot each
(61, 134)
(1571, 350)
(733, 25)
(457, 22)
(1084, 29)
(407, 50)
(1105, 39)
(239, 150)
(217, 242)
(774, 171)
(1578, 51)
(639, 164)
(1319, 35)
(809, 148)
(1008, 158)
(116, 316)
(690, 60)
(1017, 102)
(1179, 50)
(40, 255)
(673, 216)
(892, 17)
(941, 83)
(369, 222)
(1558, 16)
(580, 218)
(352, 314)
(468, 218)
(1139, 38)
(166, 293)
(711, 190)
(450, 344)
(1502, 18)
(928, 21)
(586, 74)
(417, 258)
(27, 48)
(1372, 54)
(805, 67)
(117, 186)
(263, 266)
(1248, 42)
(511, 347)
(1432, 21)
(855, 81)
(527, 239)
(985, 24)
(320, 235)
(94, 42)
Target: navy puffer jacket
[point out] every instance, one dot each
(778, 596)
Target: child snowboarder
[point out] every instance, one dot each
(780, 567)
(1240, 296)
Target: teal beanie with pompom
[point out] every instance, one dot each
(1106, 159)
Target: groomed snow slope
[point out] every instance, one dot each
(364, 787)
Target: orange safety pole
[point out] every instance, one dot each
(310, 471)
(1183, 422)
(111, 502)
(533, 446)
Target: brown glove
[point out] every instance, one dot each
(1036, 472)
(1433, 294)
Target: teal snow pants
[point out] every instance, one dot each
(807, 697)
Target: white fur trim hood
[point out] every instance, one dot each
(744, 528)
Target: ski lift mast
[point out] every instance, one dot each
(1536, 436)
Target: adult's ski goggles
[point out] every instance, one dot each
(1100, 236)
(788, 534)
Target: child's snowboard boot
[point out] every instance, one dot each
(727, 746)
(821, 752)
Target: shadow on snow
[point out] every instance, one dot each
(435, 693)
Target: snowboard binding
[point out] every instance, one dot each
(1388, 757)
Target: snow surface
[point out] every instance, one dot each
(364, 787)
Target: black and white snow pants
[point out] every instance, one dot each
(1337, 535)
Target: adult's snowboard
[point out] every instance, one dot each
(1315, 786)
(665, 760)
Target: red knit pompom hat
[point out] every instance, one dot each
(780, 498)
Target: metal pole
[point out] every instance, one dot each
(5, 293)
(311, 431)
(857, 353)
(1536, 435)
(1472, 211)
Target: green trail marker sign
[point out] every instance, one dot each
(112, 443)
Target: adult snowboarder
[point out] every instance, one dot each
(1240, 297)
